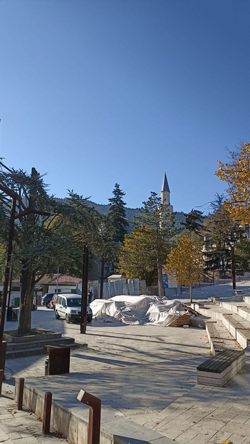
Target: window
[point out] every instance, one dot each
(74, 302)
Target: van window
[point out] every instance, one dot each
(64, 302)
(59, 300)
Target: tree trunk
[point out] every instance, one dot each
(161, 290)
(26, 301)
(233, 268)
(190, 292)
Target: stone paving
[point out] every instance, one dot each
(21, 427)
(148, 374)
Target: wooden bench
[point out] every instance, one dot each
(220, 368)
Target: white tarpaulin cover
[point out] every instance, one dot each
(137, 310)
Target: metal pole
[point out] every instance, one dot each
(7, 268)
(57, 280)
(84, 291)
(102, 278)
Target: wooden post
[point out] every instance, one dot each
(47, 413)
(3, 347)
(1, 381)
(94, 415)
(233, 268)
(20, 394)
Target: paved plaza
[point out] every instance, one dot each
(145, 374)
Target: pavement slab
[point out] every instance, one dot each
(147, 375)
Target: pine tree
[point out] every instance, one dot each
(156, 219)
(117, 214)
(222, 234)
(193, 221)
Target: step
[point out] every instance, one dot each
(232, 306)
(238, 327)
(25, 353)
(219, 337)
(31, 338)
(12, 346)
(235, 324)
(247, 299)
(210, 310)
(244, 312)
(38, 351)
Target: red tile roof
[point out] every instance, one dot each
(62, 279)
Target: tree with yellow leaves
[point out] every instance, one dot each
(237, 175)
(185, 262)
(138, 255)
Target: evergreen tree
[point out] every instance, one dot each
(41, 243)
(193, 221)
(156, 221)
(221, 234)
(242, 255)
(117, 214)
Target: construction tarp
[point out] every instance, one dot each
(137, 310)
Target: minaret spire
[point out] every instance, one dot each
(165, 186)
(165, 193)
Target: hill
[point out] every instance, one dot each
(132, 212)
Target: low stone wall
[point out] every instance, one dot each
(70, 418)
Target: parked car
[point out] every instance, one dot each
(68, 307)
(46, 299)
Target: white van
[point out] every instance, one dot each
(68, 307)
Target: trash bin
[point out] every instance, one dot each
(46, 367)
(15, 312)
(59, 359)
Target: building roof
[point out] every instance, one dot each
(165, 186)
(62, 279)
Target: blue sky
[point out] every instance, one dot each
(94, 92)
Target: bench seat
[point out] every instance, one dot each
(220, 368)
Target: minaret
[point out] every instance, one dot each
(165, 193)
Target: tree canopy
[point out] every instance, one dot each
(138, 255)
(117, 214)
(237, 175)
(41, 243)
(147, 245)
(193, 221)
(221, 234)
(184, 264)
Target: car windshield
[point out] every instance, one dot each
(74, 302)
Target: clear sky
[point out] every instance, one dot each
(94, 92)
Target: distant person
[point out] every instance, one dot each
(90, 296)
